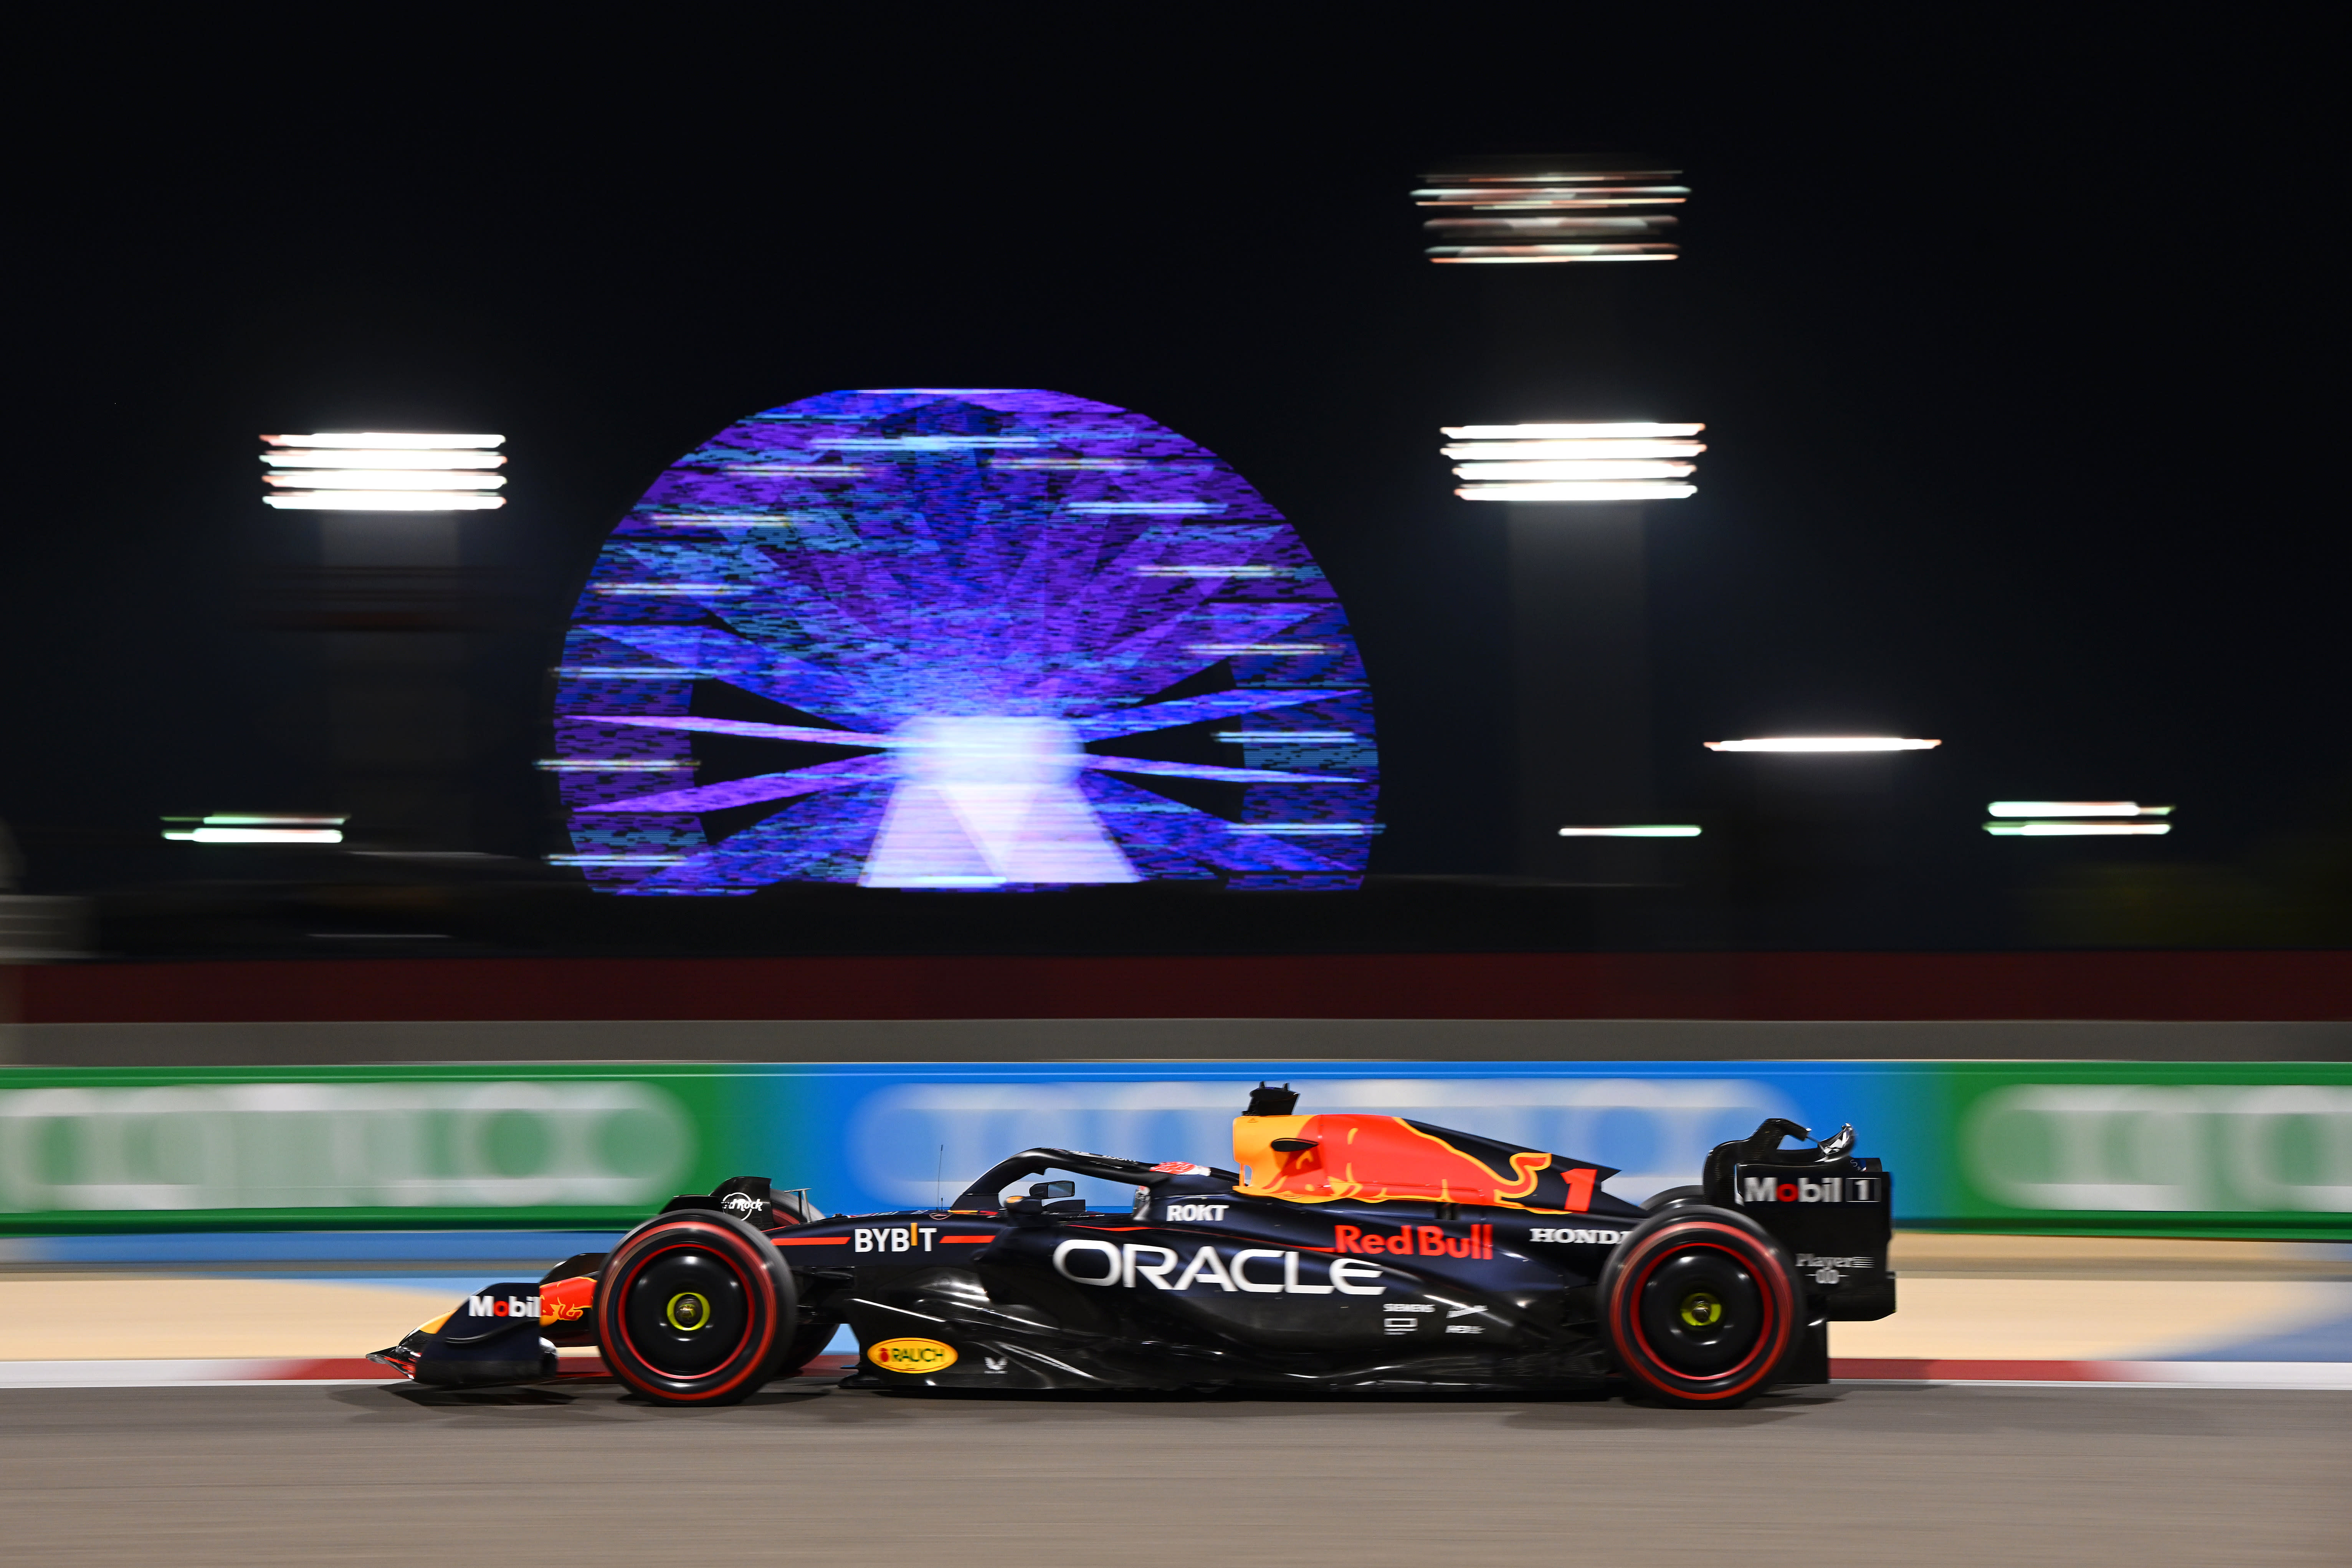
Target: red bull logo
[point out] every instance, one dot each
(1415, 1241)
(566, 1301)
(1382, 1159)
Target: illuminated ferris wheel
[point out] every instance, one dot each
(908, 638)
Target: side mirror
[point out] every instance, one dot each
(1050, 1198)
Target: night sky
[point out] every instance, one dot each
(2010, 336)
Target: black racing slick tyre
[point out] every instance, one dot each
(695, 1308)
(1701, 1306)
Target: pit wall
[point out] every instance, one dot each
(2116, 1147)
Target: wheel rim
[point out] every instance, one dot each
(686, 1309)
(1701, 1311)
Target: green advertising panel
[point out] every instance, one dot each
(2144, 1148)
(339, 1148)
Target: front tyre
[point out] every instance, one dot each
(695, 1309)
(1701, 1306)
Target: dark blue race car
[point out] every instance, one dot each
(1347, 1253)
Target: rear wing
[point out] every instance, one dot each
(1833, 1210)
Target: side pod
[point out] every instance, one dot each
(492, 1337)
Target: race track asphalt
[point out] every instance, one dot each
(807, 1474)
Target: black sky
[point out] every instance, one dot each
(2010, 328)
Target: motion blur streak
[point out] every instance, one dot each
(382, 438)
(1595, 490)
(1825, 743)
(1566, 432)
(1512, 199)
(338, 1145)
(237, 829)
(1662, 830)
(2074, 808)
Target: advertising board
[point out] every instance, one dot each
(2200, 1149)
(136, 1149)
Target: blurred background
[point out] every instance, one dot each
(2007, 341)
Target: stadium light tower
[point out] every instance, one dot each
(1575, 496)
(391, 571)
(1575, 477)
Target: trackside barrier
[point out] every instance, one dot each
(2182, 1149)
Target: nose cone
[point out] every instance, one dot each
(987, 751)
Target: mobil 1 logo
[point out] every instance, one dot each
(1785, 1186)
(1836, 1224)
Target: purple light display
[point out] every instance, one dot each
(940, 617)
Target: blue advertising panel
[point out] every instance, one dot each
(912, 1135)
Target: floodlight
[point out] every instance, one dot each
(2038, 814)
(1550, 211)
(1597, 462)
(1659, 830)
(2075, 808)
(383, 500)
(242, 828)
(399, 441)
(378, 470)
(384, 479)
(1623, 430)
(1825, 743)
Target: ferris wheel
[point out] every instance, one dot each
(908, 638)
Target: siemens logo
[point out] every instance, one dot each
(1812, 1190)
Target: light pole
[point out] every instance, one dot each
(1551, 346)
(1574, 496)
(390, 568)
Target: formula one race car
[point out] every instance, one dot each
(1350, 1253)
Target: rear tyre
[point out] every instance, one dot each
(1673, 1197)
(695, 1309)
(1701, 1306)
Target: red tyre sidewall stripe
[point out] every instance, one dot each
(677, 1239)
(1780, 1310)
